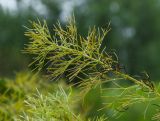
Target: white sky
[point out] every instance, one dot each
(11, 4)
(67, 6)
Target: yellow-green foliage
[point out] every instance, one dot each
(83, 59)
(14, 91)
(56, 106)
(67, 52)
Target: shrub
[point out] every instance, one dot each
(84, 62)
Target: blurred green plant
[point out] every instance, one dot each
(57, 106)
(14, 91)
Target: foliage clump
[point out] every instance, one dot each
(57, 106)
(68, 52)
(84, 60)
(14, 91)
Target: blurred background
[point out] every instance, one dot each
(135, 29)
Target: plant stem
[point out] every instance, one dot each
(127, 77)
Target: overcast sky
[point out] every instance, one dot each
(8, 4)
(11, 5)
(67, 6)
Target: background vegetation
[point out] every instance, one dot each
(134, 35)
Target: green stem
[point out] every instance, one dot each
(127, 77)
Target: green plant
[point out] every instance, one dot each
(85, 63)
(57, 106)
(13, 92)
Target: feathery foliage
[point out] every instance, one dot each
(13, 92)
(67, 51)
(56, 106)
(68, 54)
